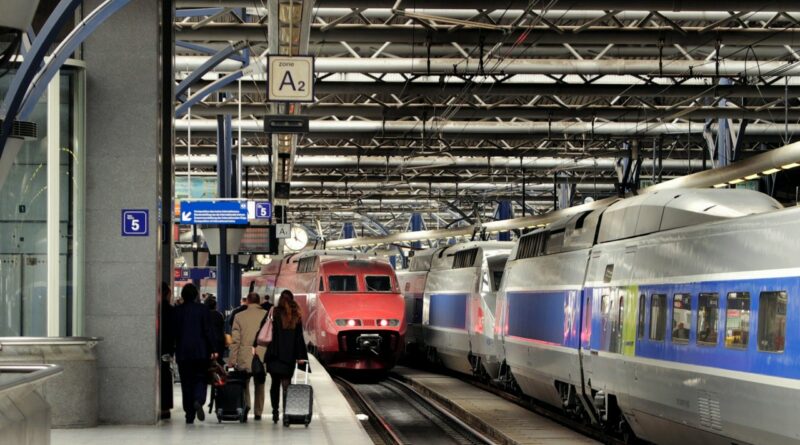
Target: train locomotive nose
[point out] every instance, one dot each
(370, 343)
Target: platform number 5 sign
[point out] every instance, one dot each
(291, 79)
(135, 222)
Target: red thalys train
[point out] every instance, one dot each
(353, 311)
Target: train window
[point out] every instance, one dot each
(465, 258)
(306, 265)
(378, 283)
(708, 319)
(342, 283)
(737, 320)
(321, 285)
(497, 278)
(681, 318)
(587, 315)
(772, 321)
(642, 303)
(658, 317)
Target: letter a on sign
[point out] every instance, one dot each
(291, 79)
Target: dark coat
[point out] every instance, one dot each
(218, 328)
(193, 333)
(287, 347)
(167, 328)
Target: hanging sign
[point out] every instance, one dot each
(214, 212)
(291, 79)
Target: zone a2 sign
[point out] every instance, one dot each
(291, 79)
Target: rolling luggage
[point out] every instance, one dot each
(298, 402)
(229, 398)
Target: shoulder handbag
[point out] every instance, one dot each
(265, 334)
(258, 370)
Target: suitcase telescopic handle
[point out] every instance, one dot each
(297, 368)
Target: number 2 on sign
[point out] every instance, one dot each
(288, 80)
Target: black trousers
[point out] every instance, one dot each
(166, 386)
(194, 381)
(278, 381)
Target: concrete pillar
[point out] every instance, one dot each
(123, 148)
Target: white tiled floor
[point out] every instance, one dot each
(333, 423)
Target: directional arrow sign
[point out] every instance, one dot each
(232, 212)
(291, 79)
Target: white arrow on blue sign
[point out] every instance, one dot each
(231, 212)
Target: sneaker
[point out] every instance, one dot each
(198, 409)
(258, 417)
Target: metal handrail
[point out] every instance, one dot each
(49, 341)
(33, 374)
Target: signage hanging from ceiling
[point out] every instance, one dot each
(290, 79)
(231, 212)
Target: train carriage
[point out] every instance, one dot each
(683, 319)
(459, 304)
(353, 309)
(412, 285)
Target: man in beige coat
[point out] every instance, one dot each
(245, 329)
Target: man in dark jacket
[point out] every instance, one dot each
(167, 349)
(195, 346)
(266, 305)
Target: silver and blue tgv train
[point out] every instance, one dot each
(673, 315)
(450, 301)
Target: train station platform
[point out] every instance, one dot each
(334, 423)
(498, 418)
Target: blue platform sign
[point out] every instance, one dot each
(214, 212)
(136, 222)
(263, 210)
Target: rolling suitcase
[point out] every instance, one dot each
(298, 402)
(229, 398)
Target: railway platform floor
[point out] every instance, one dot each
(499, 418)
(333, 423)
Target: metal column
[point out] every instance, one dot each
(53, 208)
(224, 296)
(504, 211)
(416, 224)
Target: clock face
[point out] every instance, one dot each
(298, 239)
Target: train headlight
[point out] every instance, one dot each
(350, 322)
(391, 322)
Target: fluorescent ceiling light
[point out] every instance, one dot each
(736, 181)
(771, 171)
(788, 166)
(751, 177)
(719, 186)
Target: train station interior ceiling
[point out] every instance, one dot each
(446, 108)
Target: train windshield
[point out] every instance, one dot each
(378, 283)
(342, 283)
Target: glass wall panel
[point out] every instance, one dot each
(23, 220)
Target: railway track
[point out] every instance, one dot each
(542, 410)
(400, 415)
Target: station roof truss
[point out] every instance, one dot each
(448, 109)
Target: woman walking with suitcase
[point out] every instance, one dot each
(287, 348)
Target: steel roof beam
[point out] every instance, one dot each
(472, 112)
(596, 89)
(541, 35)
(633, 5)
(551, 67)
(443, 162)
(409, 128)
